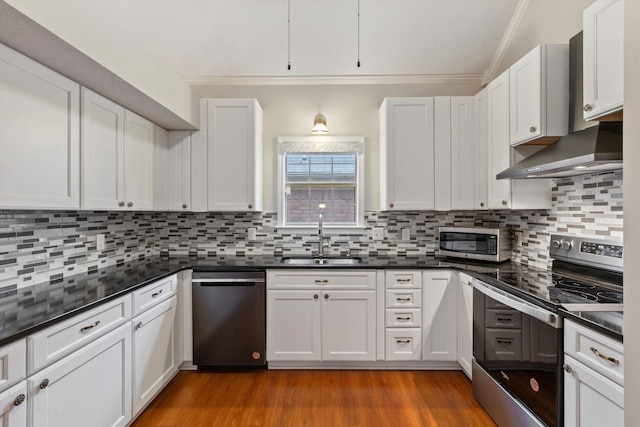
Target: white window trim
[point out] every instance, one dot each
(321, 144)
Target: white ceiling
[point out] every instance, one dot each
(209, 39)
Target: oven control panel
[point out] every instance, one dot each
(602, 249)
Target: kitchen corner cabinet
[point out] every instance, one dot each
(234, 135)
(407, 177)
(39, 135)
(603, 60)
(439, 316)
(90, 387)
(465, 322)
(117, 156)
(464, 158)
(539, 92)
(508, 193)
(173, 173)
(321, 316)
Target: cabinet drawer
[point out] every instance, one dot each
(405, 318)
(13, 406)
(150, 295)
(13, 362)
(503, 344)
(403, 279)
(61, 339)
(507, 318)
(277, 279)
(601, 353)
(403, 344)
(406, 298)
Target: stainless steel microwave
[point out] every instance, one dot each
(484, 244)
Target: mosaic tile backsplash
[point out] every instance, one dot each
(39, 246)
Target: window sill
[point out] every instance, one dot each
(328, 230)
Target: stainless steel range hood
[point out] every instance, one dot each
(590, 147)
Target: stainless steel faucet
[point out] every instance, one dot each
(321, 238)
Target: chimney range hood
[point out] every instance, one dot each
(591, 147)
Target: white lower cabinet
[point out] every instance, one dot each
(439, 316)
(465, 322)
(13, 406)
(323, 319)
(154, 356)
(90, 387)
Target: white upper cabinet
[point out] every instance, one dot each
(234, 155)
(39, 135)
(138, 161)
(603, 38)
(539, 95)
(480, 149)
(117, 156)
(173, 173)
(102, 152)
(160, 167)
(407, 154)
(463, 153)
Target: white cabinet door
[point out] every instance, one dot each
(463, 153)
(442, 153)
(439, 316)
(235, 155)
(179, 171)
(498, 156)
(154, 359)
(465, 322)
(199, 159)
(590, 399)
(102, 153)
(90, 387)
(161, 167)
(539, 91)
(348, 325)
(13, 406)
(603, 38)
(138, 162)
(480, 150)
(407, 154)
(39, 135)
(293, 325)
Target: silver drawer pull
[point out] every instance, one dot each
(403, 318)
(403, 341)
(403, 299)
(156, 294)
(322, 281)
(19, 400)
(87, 328)
(602, 356)
(404, 280)
(139, 325)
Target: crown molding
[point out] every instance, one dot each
(333, 80)
(518, 14)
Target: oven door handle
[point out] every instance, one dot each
(518, 304)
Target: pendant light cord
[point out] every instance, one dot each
(358, 63)
(289, 34)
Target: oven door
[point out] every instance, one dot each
(518, 345)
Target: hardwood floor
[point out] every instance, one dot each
(316, 398)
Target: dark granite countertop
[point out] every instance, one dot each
(24, 311)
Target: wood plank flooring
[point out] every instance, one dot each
(316, 398)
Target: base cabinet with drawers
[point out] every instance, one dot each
(321, 316)
(403, 315)
(593, 378)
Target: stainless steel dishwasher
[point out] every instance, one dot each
(229, 319)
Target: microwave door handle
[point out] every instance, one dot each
(517, 304)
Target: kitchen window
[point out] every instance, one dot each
(321, 175)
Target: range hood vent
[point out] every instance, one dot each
(591, 147)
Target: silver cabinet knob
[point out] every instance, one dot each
(19, 400)
(139, 325)
(121, 204)
(44, 384)
(504, 203)
(184, 206)
(566, 368)
(326, 296)
(130, 204)
(588, 107)
(390, 205)
(532, 129)
(315, 296)
(250, 206)
(482, 204)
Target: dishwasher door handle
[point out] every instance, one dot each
(228, 282)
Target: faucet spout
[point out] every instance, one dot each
(320, 237)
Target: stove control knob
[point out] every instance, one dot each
(566, 245)
(556, 244)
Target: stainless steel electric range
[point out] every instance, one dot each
(517, 326)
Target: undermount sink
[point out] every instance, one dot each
(304, 260)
